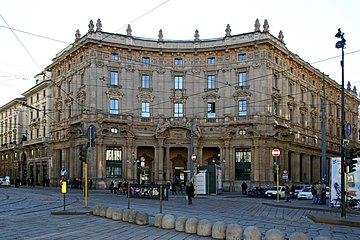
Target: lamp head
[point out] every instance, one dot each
(339, 34)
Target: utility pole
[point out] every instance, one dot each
(323, 134)
(341, 44)
(191, 151)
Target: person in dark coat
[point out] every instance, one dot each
(244, 188)
(190, 190)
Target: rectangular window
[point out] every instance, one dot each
(276, 110)
(145, 60)
(242, 163)
(178, 82)
(242, 57)
(275, 81)
(145, 81)
(211, 60)
(242, 79)
(242, 108)
(302, 95)
(114, 106)
(114, 56)
(145, 109)
(178, 61)
(178, 110)
(114, 78)
(291, 89)
(211, 110)
(211, 81)
(113, 162)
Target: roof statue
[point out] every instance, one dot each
(77, 35)
(129, 30)
(228, 31)
(281, 36)
(257, 26)
(266, 26)
(91, 26)
(196, 35)
(98, 25)
(161, 36)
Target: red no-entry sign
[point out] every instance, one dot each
(193, 157)
(275, 152)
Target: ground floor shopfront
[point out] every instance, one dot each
(161, 158)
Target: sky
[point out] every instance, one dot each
(33, 32)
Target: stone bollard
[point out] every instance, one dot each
(218, 230)
(168, 221)
(132, 216)
(191, 225)
(322, 238)
(274, 234)
(103, 211)
(109, 211)
(125, 215)
(117, 214)
(234, 232)
(180, 224)
(204, 228)
(142, 218)
(96, 211)
(252, 233)
(158, 220)
(298, 236)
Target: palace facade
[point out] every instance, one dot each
(148, 105)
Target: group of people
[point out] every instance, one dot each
(119, 187)
(318, 190)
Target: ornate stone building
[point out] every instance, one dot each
(24, 134)
(229, 100)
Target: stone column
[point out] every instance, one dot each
(167, 164)
(159, 161)
(306, 168)
(295, 167)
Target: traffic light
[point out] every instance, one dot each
(274, 168)
(349, 155)
(352, 165)
(82, 154)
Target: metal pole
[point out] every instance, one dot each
(86, 184)
(161, 195)
(343, 212)
(323, 134)
(191, 152)
(277, 180)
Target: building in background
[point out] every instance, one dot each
(154, 102)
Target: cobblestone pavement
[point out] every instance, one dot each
(26, 214)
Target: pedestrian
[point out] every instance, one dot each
(244, 188)
(190, 190)
(318, 188)
(313, 192)
(287, 194)
(111, 186)
(181, 186)
(173, 188)
(90, 184)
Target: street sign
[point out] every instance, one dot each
(348, 129)
(91, 135)
(275, 152)
(142, 159)
(193, 157)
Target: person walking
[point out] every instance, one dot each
(244, 188)
(190, 190)
(90, 184)
(287, 194)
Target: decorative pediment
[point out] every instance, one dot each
(145, 96)
(114, 92)
(276, 96)
(211, 95)
(178, 94)
(292, 104)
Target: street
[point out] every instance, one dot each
(26, 214)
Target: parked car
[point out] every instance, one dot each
(258, 192)
(298, 188)
(271, 192)
(5, 182)
(305, 194)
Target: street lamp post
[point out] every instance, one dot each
(341, 44)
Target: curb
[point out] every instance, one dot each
(333, 221)
(71, 213)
